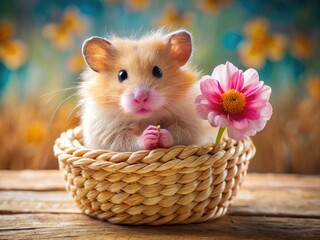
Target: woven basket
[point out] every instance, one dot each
(182, 184)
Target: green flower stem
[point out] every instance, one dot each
(219, 136)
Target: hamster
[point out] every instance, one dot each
(139, 94)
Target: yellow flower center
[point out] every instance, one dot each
(233, 101)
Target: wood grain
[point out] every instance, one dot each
(34, 205)
(40, 226)
(249, 201)
(37, 202)
(43, 180)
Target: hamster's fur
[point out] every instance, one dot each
(121, 115)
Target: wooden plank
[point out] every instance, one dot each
(276, 202)
(37, 202)
(249, 201)
(285, 181)
(43, 180)
(39, 180)
(33, 205)
(42, 226)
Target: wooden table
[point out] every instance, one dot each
(34, 205)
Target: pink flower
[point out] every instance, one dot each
(234, 99)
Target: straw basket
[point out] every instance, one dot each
(182, 184)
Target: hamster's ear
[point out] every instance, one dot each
(98, 54)
(180, 46)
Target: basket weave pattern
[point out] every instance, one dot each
(182, 184)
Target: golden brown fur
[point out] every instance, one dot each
(105, 123)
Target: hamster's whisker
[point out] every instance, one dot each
(73, 109)
(175, 117)
(58, 90)
(109, 102)
(171, 86)
(54, 93)
(59, 106)
(108, 95)
(117, 111)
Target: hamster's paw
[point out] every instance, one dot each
(165, 138)
(150, 138)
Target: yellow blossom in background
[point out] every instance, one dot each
(6, 31)
(276, 47)
(261, 45)
(13, 54)
(251, 54)
(301, 46)
(76, 63)
(257, 29)
(313, 87)
(35, 133)
(28, 130)
(138, 5)
(73, 22)
(60, 37)
(212, 6)
(174, 18)
(62, 34)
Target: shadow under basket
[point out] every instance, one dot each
(179, 185)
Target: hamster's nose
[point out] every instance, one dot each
(141, 96)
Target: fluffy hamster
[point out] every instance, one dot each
(132, 86)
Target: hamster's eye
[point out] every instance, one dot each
(157, 72)
(122, 75)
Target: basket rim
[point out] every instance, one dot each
(69, 148)
(78, 131)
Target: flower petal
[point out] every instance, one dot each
(211, 117)
(239, 123)
(230, 69)
(202, 107)
(251, 113)
(262, 95)
(265, 92)
(223, 73)
(252, 128)
(257, 104)
(218, 120)
(236, 134)
(253, 88)
(266, 112)
(210, 90)
(236, 81)
(251, 76)
(256, 126)
(218, 72)
(206, 85)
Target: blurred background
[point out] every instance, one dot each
(40, 66)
